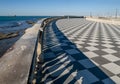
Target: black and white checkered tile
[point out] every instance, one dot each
(77, 51)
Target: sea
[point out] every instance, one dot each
(10, 23)
(7, 19)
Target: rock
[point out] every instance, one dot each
(30, 22)
(8, 35)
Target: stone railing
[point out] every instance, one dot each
(37, 58)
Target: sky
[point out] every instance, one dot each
(58, 7)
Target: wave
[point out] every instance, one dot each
(11, 24)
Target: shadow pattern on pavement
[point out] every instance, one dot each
(64, 63)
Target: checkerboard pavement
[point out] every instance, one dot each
(80, 51)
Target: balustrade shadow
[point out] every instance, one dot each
(64, 63)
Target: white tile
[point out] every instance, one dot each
(106, 42)
(90, 54)
(72, 51)
(87, 63)
(109, 51)
(118, 43)
(94, 41)
(116, 79)
(118, 46)
(117, 39)
(88, 77)
(107, 39)
(93, 44)
(79, 46)
(111, 57)
(79, 42)
(82, 39)
(91, 48)
(108, 45)
(112, 67)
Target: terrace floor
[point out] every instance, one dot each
(77, 51)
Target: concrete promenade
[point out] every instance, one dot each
(78, 51)
(15, 65)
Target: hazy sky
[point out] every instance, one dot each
(58, 7)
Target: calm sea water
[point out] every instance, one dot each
(7, 19)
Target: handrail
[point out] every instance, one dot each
(44, 24)
(34, 61)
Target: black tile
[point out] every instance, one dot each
(98, 82)
(100, 52)
(118, 75)
(100, 60)
(66, 47)
(117, 62)
(75, 66)
(98, 73)
(107, 72)
(79, 56)
(84, 50)
(47, 51)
